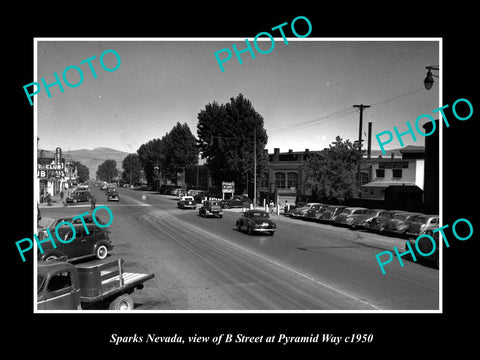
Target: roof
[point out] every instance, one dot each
(412, 149)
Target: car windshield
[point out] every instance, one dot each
(421, 220)
(371, 212)
(400, 217)
(214, 203)
(347, 211)
(259, 214)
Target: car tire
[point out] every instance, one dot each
(101, 252)
(238, 226)
(271, 233)
(220, 216)
(249, 230)
(123, 302)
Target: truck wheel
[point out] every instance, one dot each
(123, 302)
(101, 252)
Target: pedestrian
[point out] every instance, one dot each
(270, 206)
(93, 202)
(61, 195)
(49, 199)
(286, 208)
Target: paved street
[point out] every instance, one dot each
(206, 264)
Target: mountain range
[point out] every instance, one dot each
(91, 158)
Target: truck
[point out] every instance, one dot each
(98, 284)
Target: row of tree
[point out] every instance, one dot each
(227, 137)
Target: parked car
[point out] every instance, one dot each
(400, 222)
(187, 202)
(378, 222)
(96, 243)
(104, 186)
(256, 221)
(236, 201)
(315, 211)
(426, 246)
(348, 214)
(331, 212)
(424, 225)
(211, 208)
(301, 211)
(361, 221)
(78, 195)
(64, 286)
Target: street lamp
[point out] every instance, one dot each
(428, 82)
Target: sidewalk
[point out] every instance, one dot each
(56, 202)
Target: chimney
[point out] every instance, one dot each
(276, 153)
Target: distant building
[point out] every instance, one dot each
(409, 170)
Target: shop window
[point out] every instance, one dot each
(397, 173)
(380, 173)
(264, 181)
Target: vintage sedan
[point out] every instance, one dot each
(361, 221)
(96, 243)
(400, 222)
(301, 211)
(256, 221)
(315, 211)
(348, 214)
(424, 225)
(378, 222)
(211, 208)
(112, 195)
(331, 212)
(237, 201)
(187, 202)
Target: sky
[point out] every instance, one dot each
(305, 90)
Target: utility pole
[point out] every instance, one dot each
(361, 107)
(254, 167)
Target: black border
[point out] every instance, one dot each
(408, 333)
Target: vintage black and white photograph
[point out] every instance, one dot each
(234, 175)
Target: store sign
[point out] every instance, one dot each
(49, 173)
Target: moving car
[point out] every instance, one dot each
(112, 195)
(236, 201)
(187, 202)
(78, 195)
(400, 222)
(256, 221)
(348, 214)
(424, 225)
(96, 243)
(211, 208)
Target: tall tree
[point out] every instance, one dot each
(131, 168)
(151, 155)
(226, 135)
(181, 151)
(83, 174)
(332, 174)
(107, 170)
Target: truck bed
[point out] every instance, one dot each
(102, 280)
